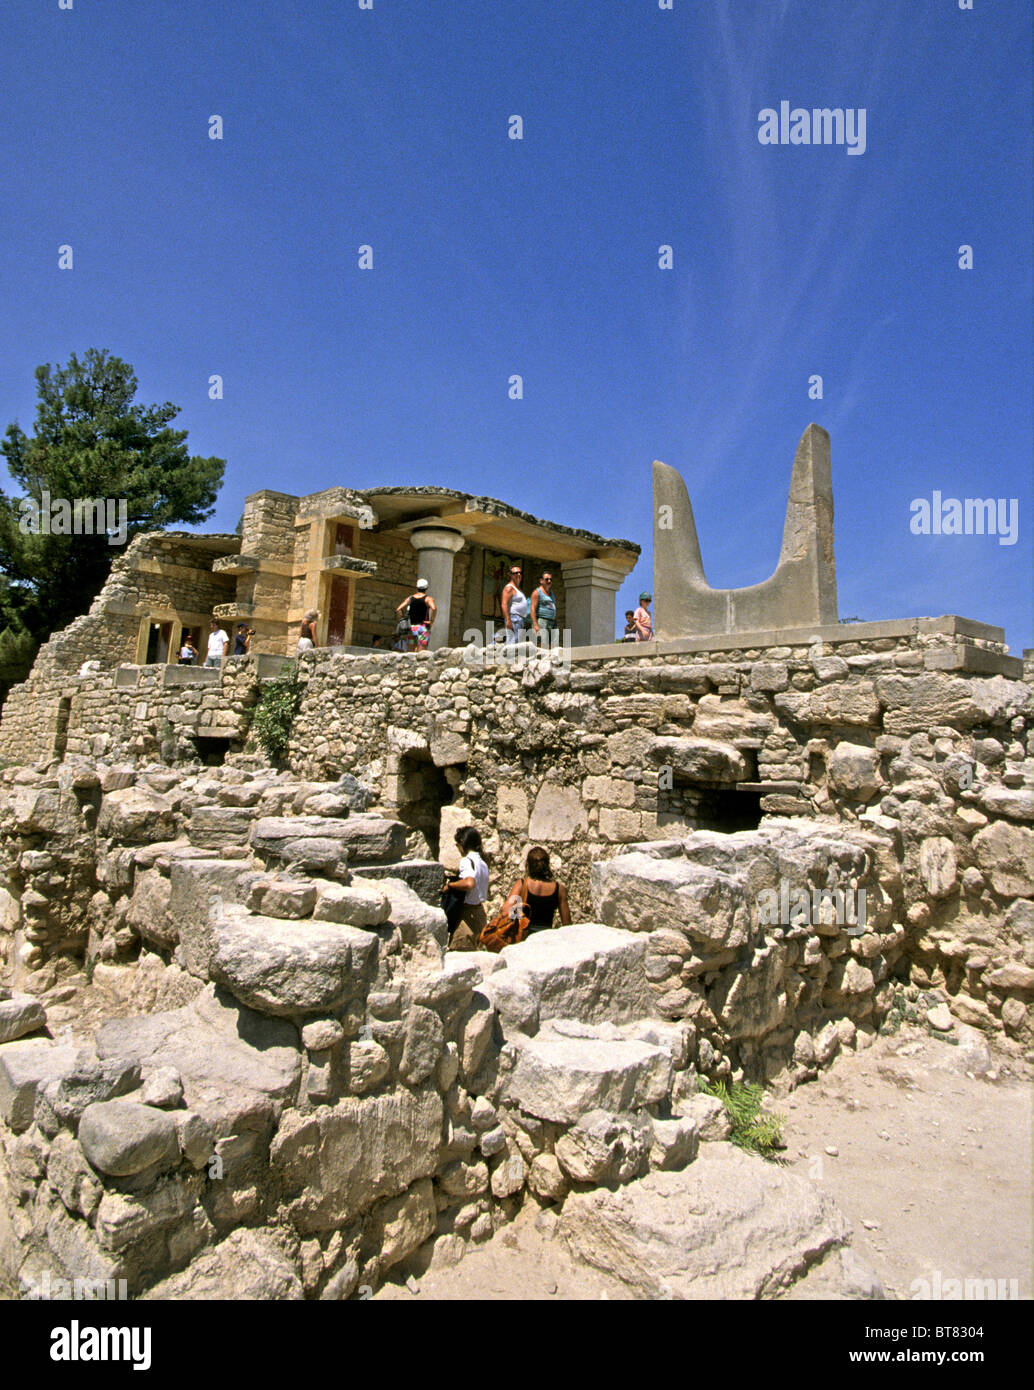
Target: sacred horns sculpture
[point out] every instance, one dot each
(801, 593)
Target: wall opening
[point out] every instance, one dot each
(423, 790)
(158, 638)
(211, 751)
(64, 710)
(689, 806)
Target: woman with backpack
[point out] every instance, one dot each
(542, 896)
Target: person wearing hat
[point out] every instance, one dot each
(641, 618)
(421, 611)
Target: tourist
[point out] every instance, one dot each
(629, 633)
(241, 640)
(217, 644)
(307, 632)
(188, 652)
(516, 608)
(421, 610)
(377, 641)
(642, 619)
(472, 877)
(541, 894)
(543, 606)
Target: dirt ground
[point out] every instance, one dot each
(931, 1166)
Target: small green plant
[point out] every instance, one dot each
(751, 1130)
(275, 711)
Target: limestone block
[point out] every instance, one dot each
(562, 1078)
(708, 1115)
(585, 971)
(640, 893)
(423, 1045)
(547, 1179)
(508, 1173)
(558, 815)
(136, 815)
(701, 760)
(275, 895)
(335, 1163)
(249, 1263)
(611, 791)
(1016, 803)
(284, 968)
(64, 1098)
(622, 827)
(123, 1137)
(605, 1148)
(675, 1143)
(938, 866)
(238, 1067)
(368, 1065)
(397, 1227)
(769, 675)
(838, 703)
(512, 808)
(19, 1014)
(854, 771)
(1005, 853)
(26, 1065)
(729, 1226)
(149, 909)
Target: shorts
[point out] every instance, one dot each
(305, 644)
(421, 633)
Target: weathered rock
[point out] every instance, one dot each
(63, 1099)
(558, 1078)
(135, 816)
(854, 770)
(397, 1227)
(938, 866)
(587, 972)
(423, 1045)
(20, 1014)
(508, 1173)
(285, 968)
(279, 896)
(729, 1226)
(1006, 854)
(123, 1137)
(604, 1148)
(368, 1065)
(708, 1115)
(337, 1162)
(238, 1067)
(700, 760)
(250, 1263)
(547, 1179)
(359, 904)
(26, 1065)
(675, 1143)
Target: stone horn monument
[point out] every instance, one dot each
(802, 591)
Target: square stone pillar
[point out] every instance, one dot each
(589, 589)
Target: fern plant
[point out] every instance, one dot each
(275, 712)
(751, 1130)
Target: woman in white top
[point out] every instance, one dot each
(516, 606)
(472, 876)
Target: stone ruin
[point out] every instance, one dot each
(230, 1026)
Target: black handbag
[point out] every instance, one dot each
(452, 906)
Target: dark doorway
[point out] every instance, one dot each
(423, 790)
(64, 710)
(158, 640)
(337, 614)
(212, 751)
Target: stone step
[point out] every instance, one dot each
(587, 972)
(561, 1078)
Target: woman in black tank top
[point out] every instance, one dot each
(543, 895)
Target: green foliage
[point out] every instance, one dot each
(90, 440)
(751, 1130)
(18, 650)
(275, 711)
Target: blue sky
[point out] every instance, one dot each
(539, 257)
